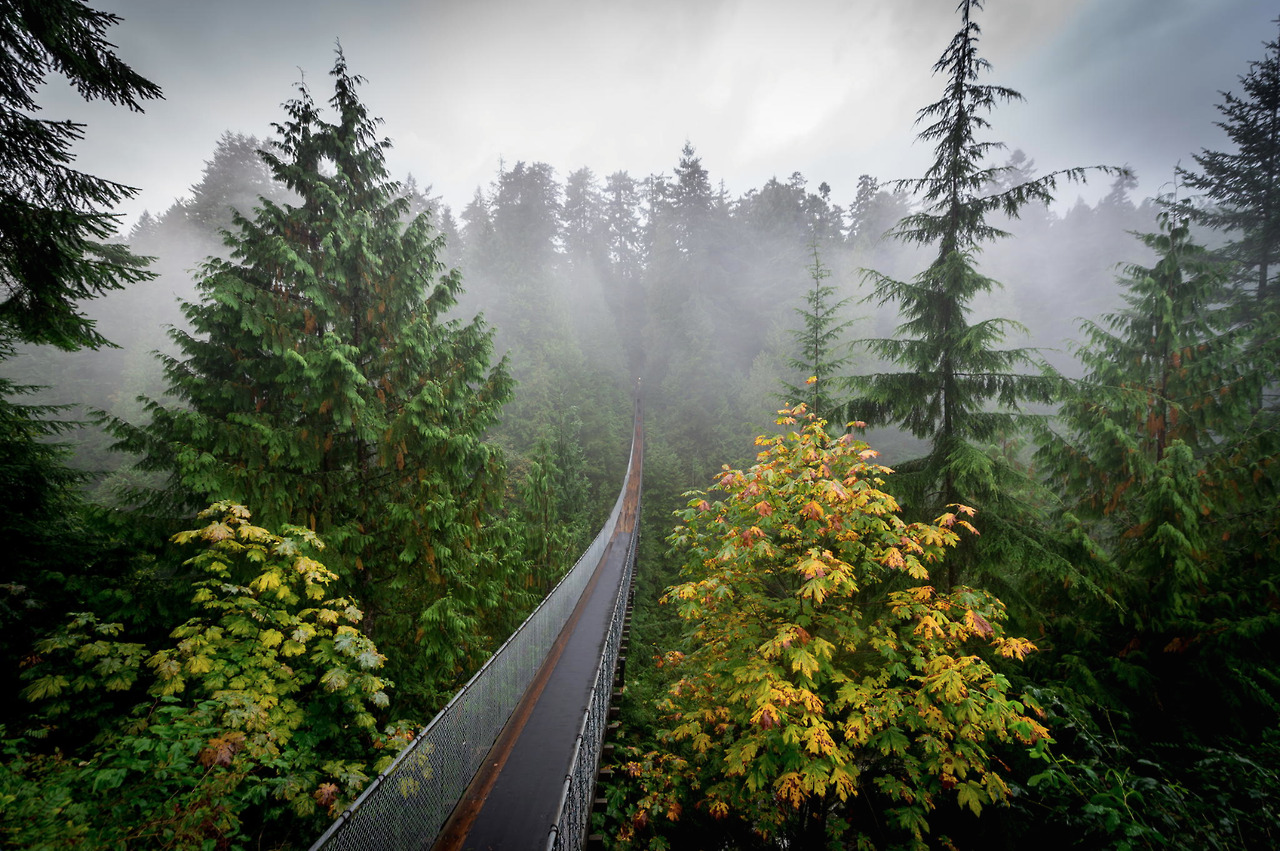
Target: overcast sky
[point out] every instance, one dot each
(762, 88)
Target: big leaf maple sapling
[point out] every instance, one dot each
(821, 663)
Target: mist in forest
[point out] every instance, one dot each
(593, 281)
(434, 388)
(682, 266)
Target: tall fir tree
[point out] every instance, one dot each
(959, 390)
(55, 220)
(692, 200)
(582, 284)
(526, 207)
(624, 238)
(42, 521)
(1242, 187)
(1164, 464)
(55, 223)
(234, 178)
(322, 385)
(582, 223)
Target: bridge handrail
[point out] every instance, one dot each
(568, 832)
(408, 804)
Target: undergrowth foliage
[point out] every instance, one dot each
(820, 663)
(259, 712)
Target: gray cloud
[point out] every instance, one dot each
(825, 87)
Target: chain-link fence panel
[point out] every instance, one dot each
(406, 806)
(573, 820)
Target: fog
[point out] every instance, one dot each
(649, 206)
(592, 281)
(633, 195)
(825, 87)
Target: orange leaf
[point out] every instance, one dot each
(812, 510)
(326, 794)
(221, 750)
(979, 624)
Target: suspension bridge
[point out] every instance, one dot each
(510, 763)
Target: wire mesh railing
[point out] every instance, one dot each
(407, 805)
(573, 818)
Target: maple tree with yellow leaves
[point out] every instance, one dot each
(254, 723)
(820, 662)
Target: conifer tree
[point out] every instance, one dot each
(322, 385)
(54, 225)
(874, 212)
(959, 390)
(818, 341)
(477, 225)
(55, 220)
(582, 283)
(691, 201)
(622, 225)
(234, 178)
(1162, 461)
(526, 205)
(582, 223)
(624, 238)
(42, 523)
(1243, 186)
